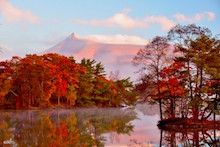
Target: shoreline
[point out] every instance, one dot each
(61, 107)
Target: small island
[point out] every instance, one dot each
(181, 72)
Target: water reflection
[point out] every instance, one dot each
(191, 138)
(175, 137)
(96, 127)
(80, 127)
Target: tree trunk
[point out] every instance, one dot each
(160, 105)
(190, 81)
(158, 89)
(173, 139)
(196, 111)
(196, 139)
(174, 107)
(29, 102)
(58, 101)
(161, 137)
(201, 81)
(215, 105)
(171, 107)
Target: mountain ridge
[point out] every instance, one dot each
(113, 56)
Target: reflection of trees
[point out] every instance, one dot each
(33, 129)
(5, 133)
(80, 127)
(190, 138)
(95, 122)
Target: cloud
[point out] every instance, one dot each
(124, 21)
(117, 39)
(210, 16)
(119, 19)
(12, 14)
(164, 22)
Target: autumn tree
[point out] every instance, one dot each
(65, 76)
(172, 88)
(152, 60)
(33, 80)
(6, 81)
(8, 72)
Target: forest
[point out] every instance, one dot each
(181, 73)
(52, 80)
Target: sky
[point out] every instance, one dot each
(28, 26)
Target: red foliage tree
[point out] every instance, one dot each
(172, 87)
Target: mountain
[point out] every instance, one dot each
(113, 56)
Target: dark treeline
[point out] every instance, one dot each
(51, 80)
(181, 72)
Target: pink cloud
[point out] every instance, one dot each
(210, 16)
(119, 19)
(164, 22)
(12, 14)
(117, 39)
(123, 20)
(182, 18)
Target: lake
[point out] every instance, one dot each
(113, 127)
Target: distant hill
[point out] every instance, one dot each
(113, 56)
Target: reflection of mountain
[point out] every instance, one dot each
(147, 109)
(113, 56)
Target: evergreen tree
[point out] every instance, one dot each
(84, 92)
(182, 37)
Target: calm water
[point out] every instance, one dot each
(95, 127)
